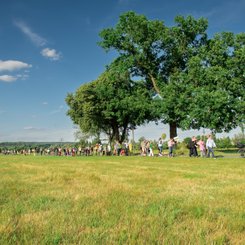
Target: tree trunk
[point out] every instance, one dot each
(117, 135)
(173, 129)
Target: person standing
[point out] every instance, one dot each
(210, 144)
(126, 146)
(193, 147)
(160, 146)
(143, 148)
(151, 154)
(171, 144)
(202, 147)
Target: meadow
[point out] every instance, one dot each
(121, 200)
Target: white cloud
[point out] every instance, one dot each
(45, 103)
(12, 65)
(8, 78)
(35, 38)
(51, 54)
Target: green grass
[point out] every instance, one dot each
(121, 200)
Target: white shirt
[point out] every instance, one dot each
(210, 143)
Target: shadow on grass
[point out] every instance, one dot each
(219, 156)
(228, 151)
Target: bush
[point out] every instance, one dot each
(224, 142)
(181, 148)
(238, 139)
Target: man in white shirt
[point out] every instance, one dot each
(210, 145)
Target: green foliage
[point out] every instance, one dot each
(219, 95)
(180, 149)
(18, 146)
(111, 104)
(187, 140)
(142, 138)
(200, 81)
(238, 138)
(224, 142)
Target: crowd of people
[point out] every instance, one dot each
(98, 149)
(124, 149)
(206, 148)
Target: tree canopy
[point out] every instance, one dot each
(185, 68)
(199, 81)
(219, 83)
(111, 104)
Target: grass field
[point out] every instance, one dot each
(121, 200)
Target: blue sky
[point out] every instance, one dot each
(48, 48)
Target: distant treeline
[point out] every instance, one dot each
(34, 145)
(225, 142)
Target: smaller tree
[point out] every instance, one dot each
(111, 104)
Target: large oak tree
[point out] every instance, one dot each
(185, 68)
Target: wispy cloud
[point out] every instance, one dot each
(8, 78)
(38, 41)
(45, 103)
(61, 107)
(34, 37)
(222, 15)
(22, 76)
(12, 65)
(51, 54)
(31, 128)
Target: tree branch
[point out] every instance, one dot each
(154, 84)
